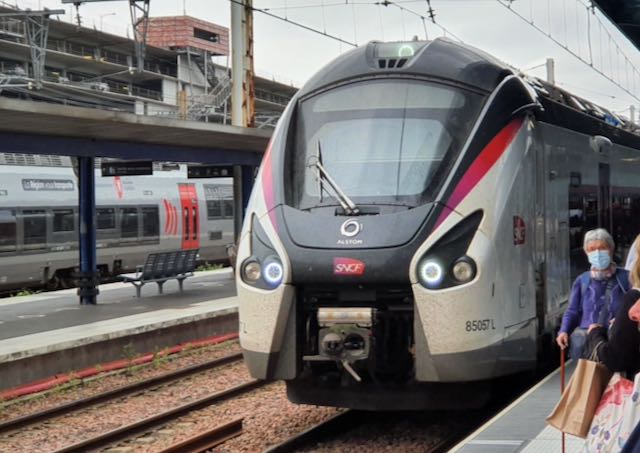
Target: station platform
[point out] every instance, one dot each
(49, 333)
(521, 427)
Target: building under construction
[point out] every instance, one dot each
(55, 61)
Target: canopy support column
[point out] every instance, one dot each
(88, 277)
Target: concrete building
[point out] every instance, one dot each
(87, 67)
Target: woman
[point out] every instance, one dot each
(621, 350)
(596, 295)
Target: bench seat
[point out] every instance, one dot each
(160, 267)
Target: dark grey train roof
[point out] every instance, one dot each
(440, 58)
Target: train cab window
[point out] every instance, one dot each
(129, 222)
(105, 218)
(150, 222)
(7, 230)
(63, 220)
(35, 227)
(381, 141)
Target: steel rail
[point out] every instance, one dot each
(149, 423)
(207, 439)
(136, 387)
(319, 432)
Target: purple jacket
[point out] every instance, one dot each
(583, 313)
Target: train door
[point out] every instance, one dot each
(189, 214)
(559, 145)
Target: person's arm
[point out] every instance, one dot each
(571, 317)
(619, 352)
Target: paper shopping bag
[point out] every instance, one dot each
(578, 403)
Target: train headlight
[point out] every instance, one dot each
(273, 272)
(252, 271)
(431, 273)
(464, 270)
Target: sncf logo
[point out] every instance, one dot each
(348, 266)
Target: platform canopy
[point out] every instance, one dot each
(42, 128)
(625, 14)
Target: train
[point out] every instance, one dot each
(416, 224)
(135, 215)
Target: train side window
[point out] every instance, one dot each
(63, 220)
(105, 218)
(214, 209)
(228, 208)
(8, 236)
(150, 221)
(129, 222)
(35, 227)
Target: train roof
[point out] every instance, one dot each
(459, 63)
(441, 58)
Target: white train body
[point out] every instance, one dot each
(445, 256)
(135, 216)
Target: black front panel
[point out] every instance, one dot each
(325, 230)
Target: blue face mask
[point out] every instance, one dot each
(599, 259)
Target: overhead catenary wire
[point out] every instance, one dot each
(569, 50)
(297, 24)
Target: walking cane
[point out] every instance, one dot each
(562, 388)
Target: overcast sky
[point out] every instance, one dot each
(292, 55)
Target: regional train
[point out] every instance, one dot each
(416, 224)
(135, 216)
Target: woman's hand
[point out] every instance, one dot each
(563, 340)
(593, 326)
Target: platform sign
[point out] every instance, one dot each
(210, 171)
(127, 168)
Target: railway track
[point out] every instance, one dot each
(341, 426)
(127, 390)
(207, 439)
(157, 421)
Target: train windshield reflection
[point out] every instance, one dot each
(384, 142)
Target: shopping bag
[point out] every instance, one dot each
(630, 412)
(607, 434)
(578, 403)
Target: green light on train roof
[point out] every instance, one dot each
(398, 49)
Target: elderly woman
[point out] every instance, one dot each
(596, 294)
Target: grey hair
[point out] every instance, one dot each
(599, 234)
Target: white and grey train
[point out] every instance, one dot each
(416, 224)
(134, 217)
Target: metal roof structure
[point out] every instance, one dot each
(625, 14)
(43, 128)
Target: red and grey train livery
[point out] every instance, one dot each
(135, 216)
(414, 224)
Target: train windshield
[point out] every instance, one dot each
(383, 142)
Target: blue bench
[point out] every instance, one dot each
(161, 267)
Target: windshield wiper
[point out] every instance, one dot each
(347, 204)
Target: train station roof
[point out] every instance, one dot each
(625, 14)
(43, 128)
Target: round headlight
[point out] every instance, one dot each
(273, 273)
(463, 271)
(252, 271)
(431, 274)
